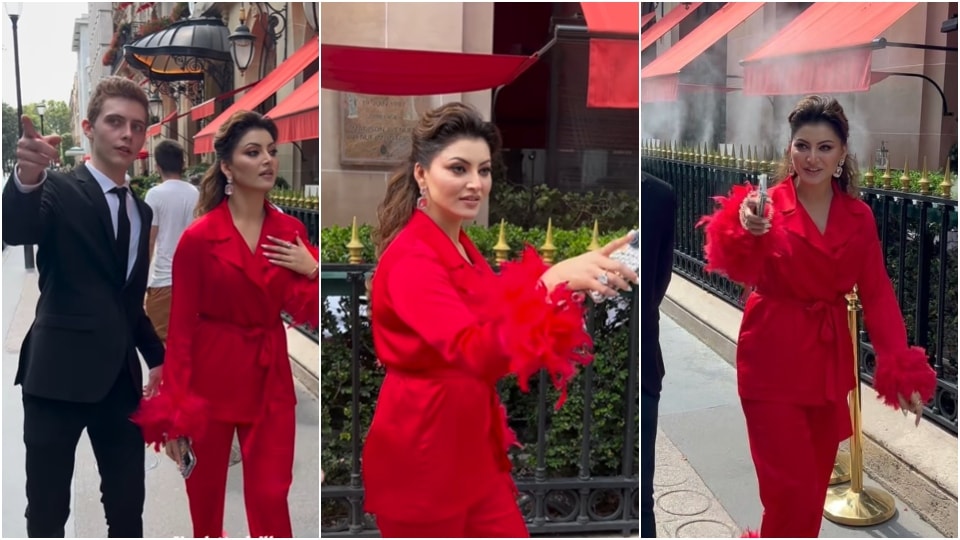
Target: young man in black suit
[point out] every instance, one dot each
(78, 364)
(656, 266)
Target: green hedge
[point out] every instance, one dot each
(564, 432)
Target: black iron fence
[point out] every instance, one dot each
(918, 233)
(311, 219)
(578, 470)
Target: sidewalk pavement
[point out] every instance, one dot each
(166, 513)
(705, 484)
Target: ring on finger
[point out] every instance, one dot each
(602, 278)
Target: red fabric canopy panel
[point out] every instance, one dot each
(664, 25)
(661, 77)
(203, 110)
(613, 81)
(284, 73)
(298, 115)
(405, 72)
(154, 130)
(827, 48)
(646, 19)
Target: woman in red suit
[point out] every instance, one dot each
(815, 241)
(446, 328)
(236, 268)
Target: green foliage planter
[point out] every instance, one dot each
(564, 428)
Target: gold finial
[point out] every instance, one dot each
(355, 247)
(946, 187)
(740, 159)
(887, 177)
(924, 181)
(868, 178)
(502, 249)
(595, 241)
(548, 251)
(905, 177)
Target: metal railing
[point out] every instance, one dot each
(918, 232)
(311, 219)
(580, 474)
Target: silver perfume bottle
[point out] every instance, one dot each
(629, 255)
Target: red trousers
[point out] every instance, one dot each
(267, 450)
(794, 448)
(495, 515)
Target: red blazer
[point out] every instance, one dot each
(446, 333)
(226, 345)
(794, 344)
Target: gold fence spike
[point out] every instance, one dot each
(905, 177)
(595, 241)
(548, 251)
(924, 181)
(355, 247)
(502, 249)
(887, 177)
(946, 187)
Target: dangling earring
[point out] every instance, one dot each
(839, 171)
(422, 199)
(228, 189)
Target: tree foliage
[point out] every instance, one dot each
(57, 118)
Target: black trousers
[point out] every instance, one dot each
(649, 405)
(51, 430)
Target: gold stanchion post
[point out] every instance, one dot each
(841, 469)
(857, 505)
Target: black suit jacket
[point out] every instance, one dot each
(657, 228)
(89, 316)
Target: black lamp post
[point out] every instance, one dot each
(41, 109)
(13, 10)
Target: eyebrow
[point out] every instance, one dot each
(831, 141)
(457, 158)
(120, 116)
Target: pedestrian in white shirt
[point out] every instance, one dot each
(174, 203)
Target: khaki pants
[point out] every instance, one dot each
(157, 306)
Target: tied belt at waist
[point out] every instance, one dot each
(824, 310)
(832, 315)
(261, 335)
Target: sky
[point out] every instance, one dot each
(47, 63)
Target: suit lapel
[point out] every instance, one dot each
(94, 193)
(143, 248)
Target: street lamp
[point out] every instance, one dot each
(13, 10)
(241, 44)
(41, 109)
(156, 106)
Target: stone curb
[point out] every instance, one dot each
(918, 466)
(305, 360)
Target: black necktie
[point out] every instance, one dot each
(123, 230)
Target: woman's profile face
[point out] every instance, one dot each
(457, 181)
(815, 152)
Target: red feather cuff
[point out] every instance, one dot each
(730, 249)
(903, 374)
(539, 331)
(163, 418)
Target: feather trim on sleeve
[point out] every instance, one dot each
(730, 249)
(162, 418)
(903, 374)
(539, 330)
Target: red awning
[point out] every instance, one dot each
(664, 25)
(405, 72)
(827, 48)
(614, 63)
(298, 115)
(647, 18)
(154, 130)
(203, 110)
(286, 71)
(661, 77)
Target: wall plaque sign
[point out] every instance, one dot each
(376, 130)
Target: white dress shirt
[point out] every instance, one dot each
(113, 203)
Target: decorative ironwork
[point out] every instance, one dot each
(273, 23)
